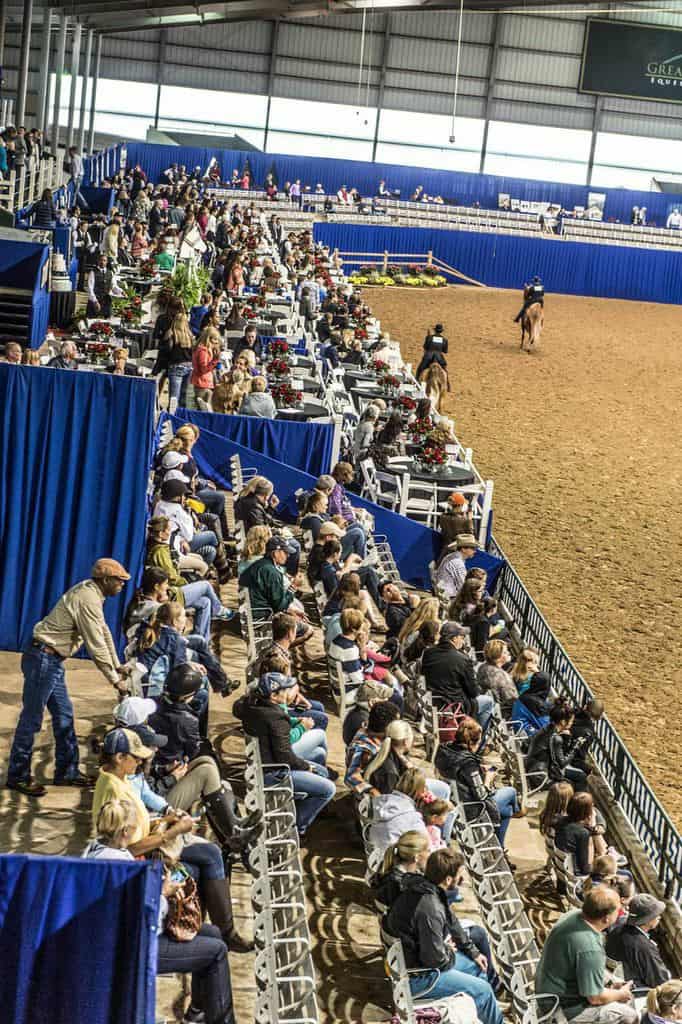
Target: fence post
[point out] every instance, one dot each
(618, 773)
(665, 841)
(429, 258)
(12, 189)
(385, 263)
(524, 616)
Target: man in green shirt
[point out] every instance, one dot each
(573, 962)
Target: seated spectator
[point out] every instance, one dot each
(365, 744)
(584, 728)
(268, 589)
(264, 714)
(551, 750)
(407, 857)
(450, 675)
(580, 833)
(461, 762)
(451, 572)
(12, 353)
(344, 649)
(363, 437)
(485, 623)
(468, 600)
(399, 811)
(558, 798)
(397, 608)
(369, 694)
(204, 956)
(426, 637)
(493, 678)
(66, 360)
(252, 343)
(392, 760)
(120, 366)
(254, 546)
(428, 610)
(456, 518)
(664, 1003)
(259, 402)
(573, 963)
(172, 504)
(339, 503)
(432, 939)
(351, 535)
(632, 945)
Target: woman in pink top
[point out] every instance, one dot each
(205, 358)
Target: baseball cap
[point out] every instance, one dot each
(134, 710)
(276, 543)
(125, 741)
(466, 540)
(273, 682)
(173, 489)
(172, 460)
(109, 567)
(450, 629)
(644, 908)
(175, 474)
(457, 499)
(149, 737)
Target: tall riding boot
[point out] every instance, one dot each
(233, 832)
(218, 900)
(222, 565)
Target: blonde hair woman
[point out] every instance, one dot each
(427, 609)
(116, 823)
(407, 857)
(179, 340)
(397, 812)
(391, 760)
(254, 548)
(229, 393)
(664, 1003)
(525, 667)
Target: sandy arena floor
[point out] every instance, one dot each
(582, 440)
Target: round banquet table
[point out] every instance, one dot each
(310, 410)
(448, 476)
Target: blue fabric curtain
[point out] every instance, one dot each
(413, 545)
(78, 940)
(308, 446)
(75, 449)
(506, 261)
(461, 187)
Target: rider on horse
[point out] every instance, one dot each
(533, 291)
(435, 349)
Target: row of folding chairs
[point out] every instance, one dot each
(284, 970)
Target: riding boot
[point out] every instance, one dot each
(222, 565)
(220, 811)
(218, 900)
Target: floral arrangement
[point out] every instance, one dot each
(96, 347)
(278, 368)
(380, 367)
(130, 315)
(279, 348)
(433, 455)
(148, 269)
(101, 327)
(421, 428)
(406, 403)
(248, 313)
(361, 334)
(285, 396)
(390, 382)
(411, 276)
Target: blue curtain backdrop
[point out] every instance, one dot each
(78, 940)
(21, 266)
(461, 187)
(306, 446)
(506, 261)
(413, 545)
(75, 449)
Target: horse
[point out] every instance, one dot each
(435, 380)
(532, 322)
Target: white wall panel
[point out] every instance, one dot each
(540, 33)
(541, 68)
(436, 57)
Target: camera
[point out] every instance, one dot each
(451, 139)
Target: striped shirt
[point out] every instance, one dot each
(346, 652)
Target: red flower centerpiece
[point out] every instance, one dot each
(278, 368)
(433, 456)
(102, 328)
(406, 403)
(285, 396)
(279, 348)
(361, 334)
(130, 315)
(148, 269)
(380, 367)
(390, 382)
(420, 428)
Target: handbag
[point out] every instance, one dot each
(449, 720)
(184, 909)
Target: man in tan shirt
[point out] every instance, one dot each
(77, 619)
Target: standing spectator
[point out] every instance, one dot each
(20, 149)
(73, 165)
(102, 288)
(43, 212)
(573, 963)
(205, 359)
(76, 619)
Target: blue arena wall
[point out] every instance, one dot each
(460, 187)
(506, 261)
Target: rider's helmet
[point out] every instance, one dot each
(536, 280)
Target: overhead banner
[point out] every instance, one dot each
(623, 58)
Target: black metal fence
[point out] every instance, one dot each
(651, 823)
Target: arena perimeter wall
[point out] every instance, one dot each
(506, 261)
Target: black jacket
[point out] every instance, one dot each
(269, 723)
(250, 512)
(639, 955)
(457, 763)
(181, 726)
(548, 752)
(386, 778)
(241, 346)
(450, 674)
(422, 920)
(388, 887)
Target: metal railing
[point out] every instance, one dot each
(615, 763)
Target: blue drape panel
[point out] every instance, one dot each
(506, 261)
(78, 940)
(306, 446)
(413, 545)
(40, 305)
(461, 187)
(75, 449)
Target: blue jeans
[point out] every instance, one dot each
(353, 541)
(206, 858)
(315, 711)
(479, 937)
(292, 562)
(507, 803)
(312, 792)
(44, 687)
(205, 957)
(486, 704)
(213, 500)
(178, 376)
(204, 543)
(202, 597)
(312, 746)
(463, 976)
